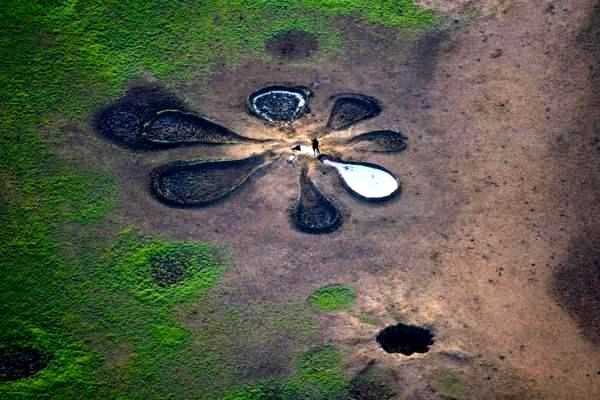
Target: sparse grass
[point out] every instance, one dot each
(448, 384)
(318, 376)
(366, 319)
(333, 298)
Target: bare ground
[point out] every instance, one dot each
(499, 182)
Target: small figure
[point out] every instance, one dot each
(315, 147)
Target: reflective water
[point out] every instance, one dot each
(370, 182)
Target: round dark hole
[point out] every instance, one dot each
(168, 271)
(293, 45)
(405, 339)
(21, 362)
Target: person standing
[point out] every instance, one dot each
(315, 147)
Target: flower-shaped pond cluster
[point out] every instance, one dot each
(149, 118)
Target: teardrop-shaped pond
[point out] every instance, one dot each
(314, 212)
(198, 183)
(350, 109)
(379, 141)
(367, 181)
(174, 127)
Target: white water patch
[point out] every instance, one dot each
(298, 96)
(369, 182)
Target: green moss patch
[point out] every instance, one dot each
(163, 271)
(318, 376)
(335, 297)
(448, 384)
(66, 364)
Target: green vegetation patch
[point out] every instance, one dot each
(448, 384)
(70, 365)
(369, 320)
(334, 297)
(318, 376)
(398, 13)
(157, 270)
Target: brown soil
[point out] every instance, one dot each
(499, 182)
(293, 45)
(371, 384)
(20, 362)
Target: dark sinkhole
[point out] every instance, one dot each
(21, 362)
(168, 270)
(405, 339)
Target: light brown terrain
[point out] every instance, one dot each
(500, 185)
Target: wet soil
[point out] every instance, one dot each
(122, 122)
(198, 183)
(21, 362)
(350, 109)
(172, 127)
(314, 212)
(576, 284)
(384, 141)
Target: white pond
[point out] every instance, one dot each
(369, 182)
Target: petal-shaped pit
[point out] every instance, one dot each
(199, 183)
(174, 127)
(279, 104)
(379, 141)
(350, 109)
(314, 212)
(365, 180)
(123, 121)
(21, 362)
